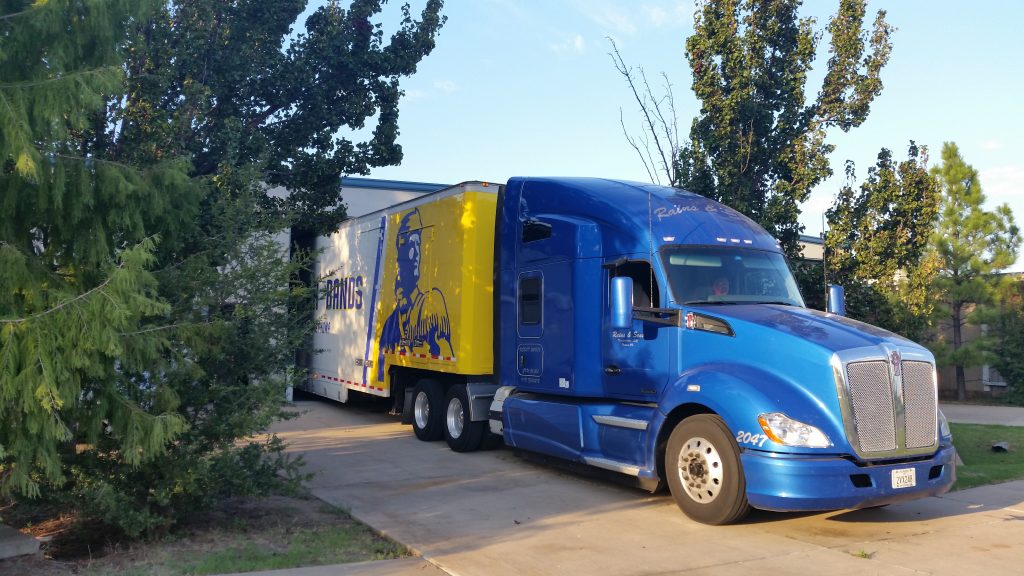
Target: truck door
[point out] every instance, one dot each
(544, 327)
(636, 361)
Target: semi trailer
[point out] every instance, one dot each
(636, 328)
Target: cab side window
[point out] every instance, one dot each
(646, 293)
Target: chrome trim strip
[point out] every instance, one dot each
(622, 467)
(619, 422)
(899, 402)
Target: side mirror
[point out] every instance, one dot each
(836, 300)
(622, 302)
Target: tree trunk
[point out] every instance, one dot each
(961, 383)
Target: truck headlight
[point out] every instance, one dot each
(789, 432)
(944, 431)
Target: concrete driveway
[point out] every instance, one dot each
(496, 513)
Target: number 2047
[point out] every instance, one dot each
(750, 438)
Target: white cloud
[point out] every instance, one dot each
(574, 44)
(412, 95)
(676, 14)
(446, 86)
(1004, 184)
(990, 145)
(817, 203)
(608, 15)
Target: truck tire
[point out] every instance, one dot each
(462, 434)
(704, 473)
(428, 410)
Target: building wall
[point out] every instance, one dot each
(364, 195)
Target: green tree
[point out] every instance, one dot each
(78, 300)
(878, 239)
(758, 144)
(1009, 340)
(227, 85)
(970, 244)
(203, 105)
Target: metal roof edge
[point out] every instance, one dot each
(379, 184)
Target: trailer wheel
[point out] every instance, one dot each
(427, 410)
(462, 434)
(704, 473)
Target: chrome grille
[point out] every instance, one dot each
(919, 401)
(872, 403)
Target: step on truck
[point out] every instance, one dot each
(632, 327)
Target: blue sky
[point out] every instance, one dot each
(526, 87)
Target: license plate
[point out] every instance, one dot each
(904, 478)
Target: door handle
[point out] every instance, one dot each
(612, 370)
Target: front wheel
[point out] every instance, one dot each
(462, 434)
(704, 473)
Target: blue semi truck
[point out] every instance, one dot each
(636, 328)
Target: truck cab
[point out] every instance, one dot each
(657, 333)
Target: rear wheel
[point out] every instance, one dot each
(704, 473)
(427, 410)
(461, 433)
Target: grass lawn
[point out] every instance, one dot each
(981, 465)
(238, 536)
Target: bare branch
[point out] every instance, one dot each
(632, 143)
(661, 130)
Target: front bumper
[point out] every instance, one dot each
(800, 483)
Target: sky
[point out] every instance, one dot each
(527, 88)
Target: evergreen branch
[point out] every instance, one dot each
(165, 327)
(113, 302)
(72, 75)
(92, 159)
(15, 14)
(66, 303)
(62, 305)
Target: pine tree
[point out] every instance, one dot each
(878, 239)
(970, 244)
(78, 302)
(1009, 340)
(758, 144)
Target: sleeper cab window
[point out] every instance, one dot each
(530, 289)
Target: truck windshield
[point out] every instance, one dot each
(729, 275)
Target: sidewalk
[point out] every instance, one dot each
(974, 414)
(496, 514)
(403, 567)
(14, 543)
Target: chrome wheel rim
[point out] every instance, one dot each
(456, 418)
(421, 410)
(700, 470)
